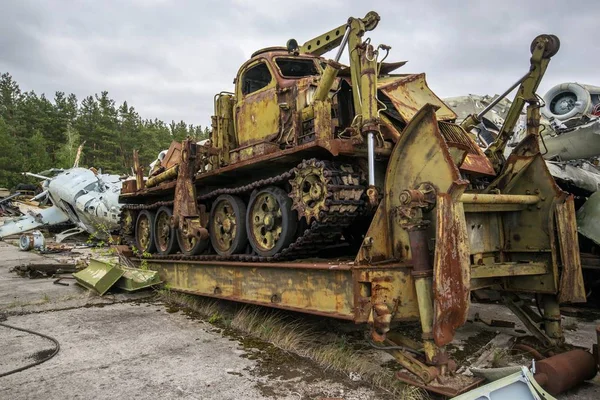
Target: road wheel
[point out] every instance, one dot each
(227, 226)
(191, 246)
(270, 221)
(164, 236)
(144, 232)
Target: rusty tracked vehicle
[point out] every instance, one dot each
(349, 192)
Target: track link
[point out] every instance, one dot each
(345, 202)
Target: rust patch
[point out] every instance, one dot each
(571, 287)
(451, 279)
(477, 163)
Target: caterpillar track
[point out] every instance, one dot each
(343, 200)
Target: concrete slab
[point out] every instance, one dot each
(20, 295)
(111, 349)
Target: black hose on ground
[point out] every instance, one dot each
(33, 364)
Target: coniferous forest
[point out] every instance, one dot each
(38, 133)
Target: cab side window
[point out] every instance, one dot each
(256, 78)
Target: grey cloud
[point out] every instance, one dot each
(167, 58)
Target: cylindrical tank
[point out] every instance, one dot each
(569, 100)
(32, 240)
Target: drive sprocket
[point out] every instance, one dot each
(310, 189)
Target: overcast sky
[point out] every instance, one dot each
(168, 58)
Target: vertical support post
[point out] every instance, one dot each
(223, 135)
(369, 108)
(139, 171)
(552, 317)
(423, 276)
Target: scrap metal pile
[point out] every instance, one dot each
(356, 193)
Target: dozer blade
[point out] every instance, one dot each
(99, 276)
(135, 279)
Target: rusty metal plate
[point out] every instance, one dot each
(410, 93)
(451, 271)
(571, 288)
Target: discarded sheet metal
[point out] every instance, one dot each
(32, 241)
(136, 279)
(520, 385)
(99, 276)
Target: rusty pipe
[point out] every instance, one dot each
(476, 198)
(564, 371)
(171, 173)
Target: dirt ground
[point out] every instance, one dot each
(130, 345)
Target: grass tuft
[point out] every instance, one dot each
(298, 337)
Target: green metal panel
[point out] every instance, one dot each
(136, 279)
(99, 276)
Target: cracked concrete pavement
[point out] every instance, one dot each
(113, 347)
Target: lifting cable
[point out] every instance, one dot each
(56, 349)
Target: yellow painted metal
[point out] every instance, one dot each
(265, 218)
(491, 207)
(357, 30)
(333, 38)
(540, 57)
(410, 93)
(424, 288)
(508, 269)
(169, 174)
(368, 87)
(327, 81)
(552, 318)
(223, 136)
(478, 198)
(339, 291)
(530, 237)
(256, 113)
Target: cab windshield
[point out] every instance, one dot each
(296, 67)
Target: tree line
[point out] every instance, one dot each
(37, 134)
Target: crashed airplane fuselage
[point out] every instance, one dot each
(88, 199)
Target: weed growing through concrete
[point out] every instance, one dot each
(299, 338)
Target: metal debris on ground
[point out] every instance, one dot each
(32, 241)
(45, 270)
(100, 276)
(82, 196)
(520, 385)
